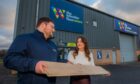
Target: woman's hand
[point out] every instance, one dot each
(69, 62)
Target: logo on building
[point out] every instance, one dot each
(121, 25)
(64, 14)
(59, 13)
(125, 27)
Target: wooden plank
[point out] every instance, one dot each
(55, 69)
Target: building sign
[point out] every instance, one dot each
(125, 27)
(66, 16)
(99, 54)
(138, 39)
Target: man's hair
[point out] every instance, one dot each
(43, 19)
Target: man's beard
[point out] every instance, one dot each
(51, 36)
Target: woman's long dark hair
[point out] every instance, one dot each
(87, 52)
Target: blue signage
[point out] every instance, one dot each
(99, 54)
(138, 39)
(66, 16)
(125, 27)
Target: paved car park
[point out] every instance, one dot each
(120, 74)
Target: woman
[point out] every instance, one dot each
(81, 55)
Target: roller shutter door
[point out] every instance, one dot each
(127, 48)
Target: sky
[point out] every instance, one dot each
(126, 9)
(7, 20)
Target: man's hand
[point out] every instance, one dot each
(41, 67)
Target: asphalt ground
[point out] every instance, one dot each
(120, 74)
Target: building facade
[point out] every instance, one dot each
(111, 39)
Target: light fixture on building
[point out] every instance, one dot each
(86, 22)
(94, 23)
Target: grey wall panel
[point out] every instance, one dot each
(26, 16)
(102, 36)
(44, 8)
(65, 36)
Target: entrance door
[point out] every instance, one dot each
(114, 57)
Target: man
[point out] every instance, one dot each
(29, 52)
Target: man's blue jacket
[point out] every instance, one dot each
(25, 51)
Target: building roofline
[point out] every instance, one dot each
(75, 2)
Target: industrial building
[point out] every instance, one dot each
(111, 39)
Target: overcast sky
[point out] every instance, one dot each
(7, 17)
(125, 9)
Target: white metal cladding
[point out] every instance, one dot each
(127, 48)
